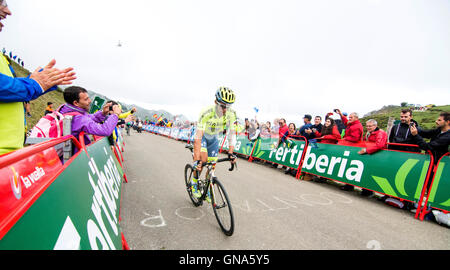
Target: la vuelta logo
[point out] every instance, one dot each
(28, 181)
(16, 187)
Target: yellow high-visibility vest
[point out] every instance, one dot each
(11, 118)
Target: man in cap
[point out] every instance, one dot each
(305, 130)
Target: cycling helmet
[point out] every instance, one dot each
(225, 95)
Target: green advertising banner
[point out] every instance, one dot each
(79, 210)
(243, 145)
(398, 174)
(287, 154)
(439, 196)
(394, 173)
(97, 104)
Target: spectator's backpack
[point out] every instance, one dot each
(50, 125)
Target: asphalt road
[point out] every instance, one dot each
(273, 211)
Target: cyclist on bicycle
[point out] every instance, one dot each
(214, 120)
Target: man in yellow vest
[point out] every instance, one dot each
(14, 91)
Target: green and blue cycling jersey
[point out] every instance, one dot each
(212, 124)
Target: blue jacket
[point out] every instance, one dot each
(19, 89)
(303, 132)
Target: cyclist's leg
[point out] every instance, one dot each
(203, 155)
(196, 175)
(213, 148)
(213, 152)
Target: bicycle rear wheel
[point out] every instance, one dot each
(222, 208)
(188, 174)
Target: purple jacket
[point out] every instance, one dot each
(90, 123)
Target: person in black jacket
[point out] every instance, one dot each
(439, 140)
(438, 145)
(400, 133)
(439, 137)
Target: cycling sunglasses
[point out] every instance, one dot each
(224, 106)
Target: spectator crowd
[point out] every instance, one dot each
(347, 129)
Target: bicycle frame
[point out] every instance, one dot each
(210, 167)
(209, 175)
(210, 182)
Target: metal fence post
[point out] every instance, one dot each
(67, 130)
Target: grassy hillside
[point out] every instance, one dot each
(425, 119)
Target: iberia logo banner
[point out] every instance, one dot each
(22, 182)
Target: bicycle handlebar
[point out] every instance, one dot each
(191, 148)
(227, 159)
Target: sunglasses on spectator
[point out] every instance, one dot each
(3, 3)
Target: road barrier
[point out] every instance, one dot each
(398, 174)
(438, 197)
(45, 204)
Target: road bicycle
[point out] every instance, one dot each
(219, 199)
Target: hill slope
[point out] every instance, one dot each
(425, 119)
(142, 113)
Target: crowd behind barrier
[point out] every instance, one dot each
(28, 174)
(70, 205)
(28, 177)
(33, 170)
(395, 174)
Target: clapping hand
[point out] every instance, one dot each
(49, 76)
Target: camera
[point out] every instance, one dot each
(112, 104)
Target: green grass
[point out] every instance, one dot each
(37, 106)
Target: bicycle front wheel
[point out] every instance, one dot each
(222, 208)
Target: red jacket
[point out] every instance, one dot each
(282, 133)
(330, 138)
(353, 131)
(378, 140)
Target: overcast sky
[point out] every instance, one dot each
(287, 58)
